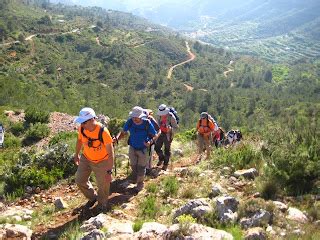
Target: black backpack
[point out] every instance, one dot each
(90, 140)
(175, 114)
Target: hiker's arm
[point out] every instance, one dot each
(120, 135)
(77, 153)
(110, 159)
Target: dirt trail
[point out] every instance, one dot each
(225, 73)
(189, 88)
(118, 196)
(98, 41)
(191, 58)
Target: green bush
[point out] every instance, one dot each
(149, 208)
(293, 159)
(170, 186)
(62, 137)
(137, 225)
(243, 156)
(115, 125)
(37, 132)
(186, 136)
(17, 128)
(185, 222)
(268, 188)
(34, 116)
(250, 207)
(152, 187)
(11, 141)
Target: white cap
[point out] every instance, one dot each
(85, 114)
(137, 112)
(163, 110)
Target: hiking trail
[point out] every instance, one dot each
(191, 58)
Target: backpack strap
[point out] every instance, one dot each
(100, 138)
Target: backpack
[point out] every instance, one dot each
(175, 114)
(209, 118)
(90, 140)
(146, 123)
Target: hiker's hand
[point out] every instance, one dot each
(76, 159)
(115, 140)
(147, 144)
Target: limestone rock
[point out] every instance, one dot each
(246, 173)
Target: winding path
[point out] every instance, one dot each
(191, 58)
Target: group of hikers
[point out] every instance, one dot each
(146, 134)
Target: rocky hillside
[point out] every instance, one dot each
(190, 199)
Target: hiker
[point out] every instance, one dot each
(149, 114)
(206, 127)
(1, 135)
(168, 126)
(142, 135)
(97, 156)
(233, 136)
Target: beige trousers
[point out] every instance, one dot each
(103, 180)
(204, 143)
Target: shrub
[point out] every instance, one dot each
(185, 222)
(268, 189)
(37, 132)
(170, 185)
(62, 137)
(186, 136)
(251, 206)
(243, 156)
(34, 116)
(149, 208)
(137, 225)
(115, 125)
(293, 160)
(152, 187)
(17, 128)
(11, 141)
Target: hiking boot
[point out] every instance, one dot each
(159, 163)
(164, 167)
(140, 186)
(90, 203)
(103, 208)
(148, 172)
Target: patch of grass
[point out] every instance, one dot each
(170, 186)
(268, 189)
(152, 187)
(137, 225)
(235, 231)
(189, 191)
(148, 208)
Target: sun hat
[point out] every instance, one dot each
(204, 115)
(137, 112)
(85, 114)
(163, 110)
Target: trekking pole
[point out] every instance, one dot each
(115, 141)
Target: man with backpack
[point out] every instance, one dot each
(97, 156)
(168, 126)
(206, 126)
(142, 135)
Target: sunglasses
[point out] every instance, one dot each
(85, 122)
